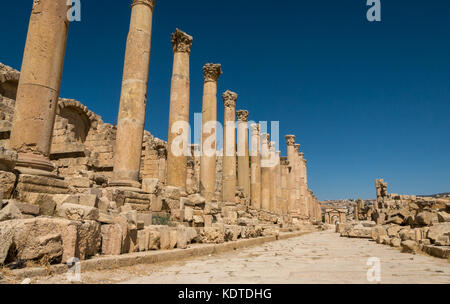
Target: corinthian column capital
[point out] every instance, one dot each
(290, 140)
(149, 3)
(297, 148)
(229, 99)
(255, 129)
(181, 42)
(212, 72)
(242, 115)
(265, 138)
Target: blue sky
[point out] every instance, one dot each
(366, 100)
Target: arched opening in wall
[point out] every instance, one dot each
(79, 122)
(335, 219)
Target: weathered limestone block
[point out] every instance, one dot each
(151, 185)
(437, 251)
(395, 242)
(409, 246)
(7, 181)
(78, 212)
(393, 231)
(154, 239)
(232, 232)
(173, 238)
(89, 200)
(8, 158)
(164, 237)
(182, 237)
(443, 217)
(10, 212)
(89, 239)
(111, 239)
(26, 208)
(439, 233)
(143, 239)
(271, 231)
(359, 231)
(426, 218)
(213, 235)
(41, 184)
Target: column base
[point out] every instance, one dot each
(136, 186)
(35, 164)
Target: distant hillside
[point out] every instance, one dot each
(440, 195)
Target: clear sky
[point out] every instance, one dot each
(366, 100)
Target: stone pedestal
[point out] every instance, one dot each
(243, 154)
(256, 167)
(229, 147)
(133, 99)
(39, 85)
(291, 156)
(265, 172)
(178, 146)
(211, 73)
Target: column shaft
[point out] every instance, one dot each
(256, 167)
(290, 141)
(39, 84)
(178, 139)
(265, 172)
(133, 99)
(211, 73)
(243, 154)
(229, 147)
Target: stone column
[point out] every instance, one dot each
(178, 146)
(265, 172)
(229, 147)
(278, 194)
(133, 99)
(273, 186)
(256, 167)
(243, 155)
(291, 156)
(211, 73)
(298, 202)
(304, 182)
(284, 184)
(39, 85)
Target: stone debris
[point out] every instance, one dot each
(414, 224)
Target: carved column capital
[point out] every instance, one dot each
(149, 3)
(265, 138)
(301, 155)
(290, 140)
(255, 129)
(181, 42)
(212, 72)
(229, 99)
(297, 148)
(242, 115)
(272, 146)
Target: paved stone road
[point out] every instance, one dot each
(321, 257)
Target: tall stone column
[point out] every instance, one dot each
(291, 156)
(256, 167)
(298, 203)
(211, 73)
(273, 186)
(243, 154)
(278, 193)
(229, 147)
(39, 85)
(284, 186)
(133, 99)
(265, 172)
(178, 145)
(304, 182)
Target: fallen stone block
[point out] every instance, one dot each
(409, 246)
(164, 238)
(111, 239)
(443, 217)
(89, 200)
(10, 212)
(437, 232)
(78, 212)
(26, 208)
(143, 239)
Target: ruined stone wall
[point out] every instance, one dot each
(82, 144)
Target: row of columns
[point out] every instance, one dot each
(272, 184)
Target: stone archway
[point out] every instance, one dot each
(78, 117)
(334, 219)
